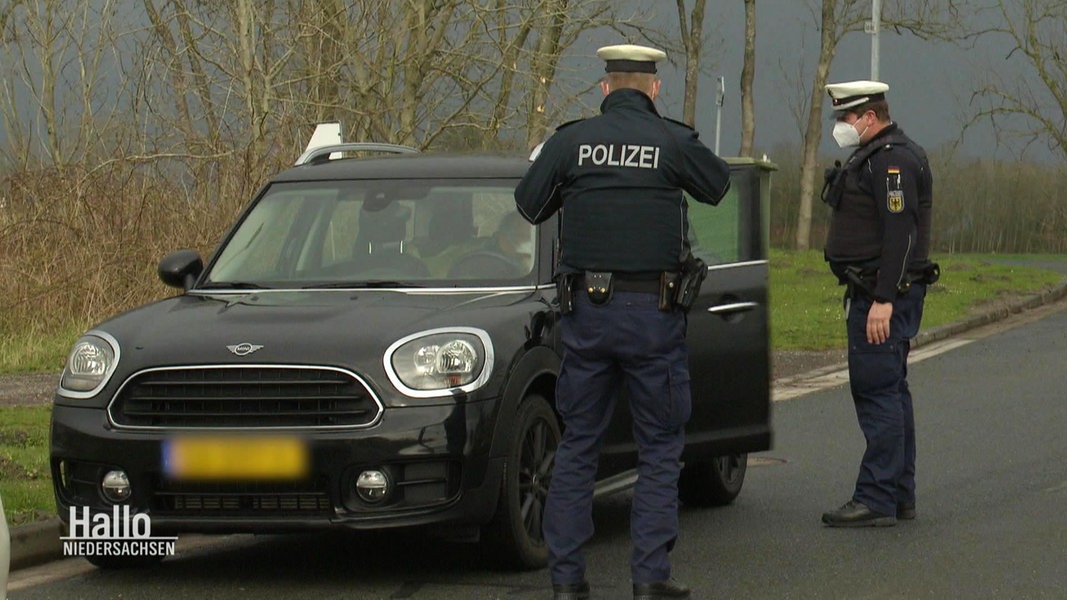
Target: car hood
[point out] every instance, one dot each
(345, 328)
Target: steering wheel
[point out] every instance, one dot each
(484, 264)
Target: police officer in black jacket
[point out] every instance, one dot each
(878, 246)
(618, 181)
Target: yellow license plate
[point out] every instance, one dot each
(235, 457)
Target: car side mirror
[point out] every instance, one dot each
(181, 268)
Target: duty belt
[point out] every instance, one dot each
(650, 286)
(858, 281)
(674, 289)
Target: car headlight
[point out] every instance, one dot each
(90, 364)
(428, 363)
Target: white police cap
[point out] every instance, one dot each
(630, 58)
(854, 93)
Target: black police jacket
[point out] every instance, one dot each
(882, 203)
(618, 178)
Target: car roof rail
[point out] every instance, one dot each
(322, 153)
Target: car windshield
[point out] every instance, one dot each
(380, 233)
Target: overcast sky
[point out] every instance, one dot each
(930, 82)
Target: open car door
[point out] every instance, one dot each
(729, 341)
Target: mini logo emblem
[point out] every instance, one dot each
(244, 349)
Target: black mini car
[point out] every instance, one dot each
(375, 344)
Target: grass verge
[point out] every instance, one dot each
(806, 302)
(25, 481)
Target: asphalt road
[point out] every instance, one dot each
(992, 501)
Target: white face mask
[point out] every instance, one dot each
(846, 134)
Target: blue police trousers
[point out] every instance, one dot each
(625, 340)
(878, 378)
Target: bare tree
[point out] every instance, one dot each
(1028, 100)
(748, 75)
(933, 19)
(837, 17)
(544, 62)
(692, 34)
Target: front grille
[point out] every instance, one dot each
(241, 499)
(244, 397)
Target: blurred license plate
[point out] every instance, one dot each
(235, 457)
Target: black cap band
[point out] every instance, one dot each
(865, 97)
(630, 66)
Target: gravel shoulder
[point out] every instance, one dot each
(29, 389)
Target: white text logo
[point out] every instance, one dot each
(117, 533)
(619, 155)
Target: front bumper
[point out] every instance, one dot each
(436, 456)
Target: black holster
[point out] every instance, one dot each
(856, 282)
(694, 271)
(598, 286)
(668, 289)
(929, 273)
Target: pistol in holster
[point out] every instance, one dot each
(856, 282)
(694, 271)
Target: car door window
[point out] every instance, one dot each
(713, 230)
(729, 232)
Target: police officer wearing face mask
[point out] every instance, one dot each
(878, 247)
(617, 180)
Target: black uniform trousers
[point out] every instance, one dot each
(878, 378)
(629, 340)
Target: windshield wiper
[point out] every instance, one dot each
(234, 285)
(373, 283)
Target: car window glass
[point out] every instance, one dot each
(453, 232)
(342, 226)
(714, 231)
(256, 249)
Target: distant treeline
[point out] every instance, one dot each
(979, 205)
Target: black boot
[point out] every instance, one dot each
(570, 591)
(857, 514)
(661, 589)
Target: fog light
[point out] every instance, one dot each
(115, 486)
(372, 486)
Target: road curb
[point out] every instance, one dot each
(38, 542)
(936, 334)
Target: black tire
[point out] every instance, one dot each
(514, 538)
(124, 562)
(714, 482)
